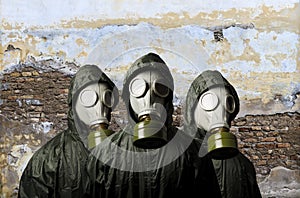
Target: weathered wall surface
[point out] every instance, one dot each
(255, 44)
(31, 116)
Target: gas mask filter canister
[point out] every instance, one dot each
(213, 113)
(148, 92)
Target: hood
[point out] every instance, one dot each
(147, 62)
(86, 75)
(202, 83)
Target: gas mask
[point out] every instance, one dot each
(213, 114)
(148, 92)
(93, 107)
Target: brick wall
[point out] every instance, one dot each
(31, 97)
(269, 140)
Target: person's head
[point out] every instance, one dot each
(148, 94)
(212, 103)
(92, 97)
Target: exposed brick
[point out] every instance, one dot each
(29, 79)
(266, 128)
(266, 156)
(283, 145)
(15, 74)
(35, 73)
(255, 157)
(20, 80)
(259, 134)
(268, 139)
(26, 74)
(244, 129)
(261, 162)
(64, 91)
(256, 128)
(266, 145)
(250, 140)
(295, 157)
(27, 97)
(12, 97)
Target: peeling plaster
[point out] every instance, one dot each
(258, 52)
(264, 14)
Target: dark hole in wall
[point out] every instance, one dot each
(218, 35)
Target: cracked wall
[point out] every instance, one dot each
(254, 44)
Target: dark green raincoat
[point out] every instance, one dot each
(57, 169)
(236, 176)
(117, 168)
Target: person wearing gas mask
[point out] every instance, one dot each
(57, 169)
(212, 103)
(149, 157)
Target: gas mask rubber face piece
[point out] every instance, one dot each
(213, 114)
(93, 107)
(148, 93)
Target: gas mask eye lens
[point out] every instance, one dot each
(108, 98)
(88, 98)
(160, 89)
(209, 101)
(230, 104)
(137, 87)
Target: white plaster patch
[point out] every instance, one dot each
(22, 153)
(236, 37)
(46, 126)
(52, 12)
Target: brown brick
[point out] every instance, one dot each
(265, 145)
(266, 156)
(15, 74)
(250, 134)
(268, 139)
(256, 128)
(283, 145)
(35, 119)
(34, 115)
(250, 140)
(64, 91)
(29, 79)
(12, 97)
(20, 80)
(255, 157)
(240, 123)
(5, 93)
(272, 128)
(290, 162)
(244, 129)
(259, 134)
(261, 162)
(282, 156)
(27, 97)
(294, 157)
(35, 73)
(266, 128)
(26, 74)
(273, 133)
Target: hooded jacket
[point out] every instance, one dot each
(57, 169)
(236, 176)
(117, 168)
